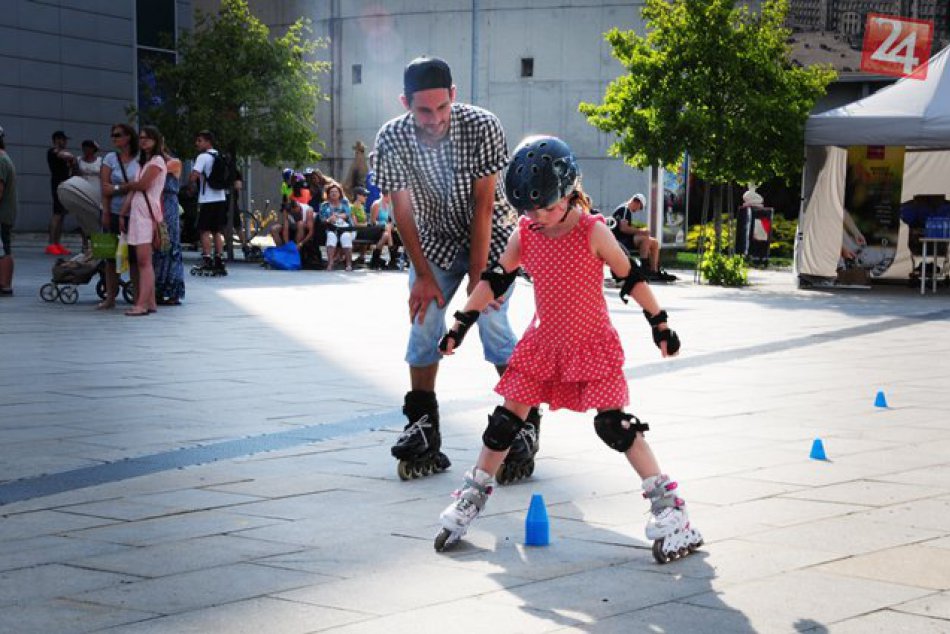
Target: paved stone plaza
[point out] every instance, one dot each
(224, 466)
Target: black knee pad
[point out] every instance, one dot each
(618, 429)
(503, 427)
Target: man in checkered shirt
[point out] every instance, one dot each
(440, 162)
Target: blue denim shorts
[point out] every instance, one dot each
(498, 340)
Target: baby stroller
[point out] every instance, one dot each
(68, 274)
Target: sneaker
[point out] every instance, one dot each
(52, 249)
(63, 250)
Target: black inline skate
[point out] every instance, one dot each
(519, 463)
(418, 447)
(218, 267)
(205, 269)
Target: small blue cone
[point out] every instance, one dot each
(879, 400)
(818, 450)
(537, 529)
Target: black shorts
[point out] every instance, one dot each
(6, 232)
(213, 216)
(58, 208)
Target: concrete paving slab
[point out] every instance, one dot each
(223, 540)
(936, 605)
(916, 565)
(188, 591)
(251, 616)
(888, 622)
(794, 600)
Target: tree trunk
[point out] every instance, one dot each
(717, 216)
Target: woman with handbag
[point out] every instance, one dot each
(142, 218)
(118, 172)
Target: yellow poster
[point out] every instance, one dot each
(872, 203)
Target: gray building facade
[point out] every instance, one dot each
(72, 65)
(531, 62)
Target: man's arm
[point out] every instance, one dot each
(483, 192)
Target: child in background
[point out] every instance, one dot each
(570, 356)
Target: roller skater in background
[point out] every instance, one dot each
(440, 162)
(570, 356)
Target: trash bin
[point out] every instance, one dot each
(754, 233)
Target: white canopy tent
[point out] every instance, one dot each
(912, 113)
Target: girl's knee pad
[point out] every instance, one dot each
(503, 427)
(618, 429)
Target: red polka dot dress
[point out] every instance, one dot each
(570, 356)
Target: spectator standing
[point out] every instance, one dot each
(89, 164)
(119, 169)
(212, 205)
(169, 267)
(140, 210)
(336, 215)
(61, 164)
(8, 211)
(440, 162)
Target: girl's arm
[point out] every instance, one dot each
(105, 185)
(149, 173)
(605, 246)
(482, 296)
(374, 213)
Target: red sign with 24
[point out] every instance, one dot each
(897, 46)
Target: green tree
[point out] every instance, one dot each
(713, 79)
(258, 94)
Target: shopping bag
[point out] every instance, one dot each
(284, 258)
(104, 245)
(122, 255)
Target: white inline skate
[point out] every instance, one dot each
(470, 500)
(668, 526)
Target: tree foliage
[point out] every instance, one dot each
(258, 94)
(715, 80)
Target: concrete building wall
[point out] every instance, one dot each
(572, 63)
(64, 65)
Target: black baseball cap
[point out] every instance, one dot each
(424, 73)
(59, 134)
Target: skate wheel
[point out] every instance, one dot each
(442, 462)
(404, 470)
(502, 475)
(442, 540)
(68, 295)
(418, 469)
(128, 292)
(658, 554)
(48, 292)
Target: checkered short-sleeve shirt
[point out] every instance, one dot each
(440, 180)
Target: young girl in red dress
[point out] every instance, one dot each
(570, 356)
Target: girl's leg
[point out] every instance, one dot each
(112, 286)
(489, 460)
(145, 285)
(134, 270)
(642, 459)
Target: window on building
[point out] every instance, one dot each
(527, 67)
(357, 73)
(156, 35)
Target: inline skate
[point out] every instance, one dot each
(519, 463)
(469, 502)
(218, 266)
(205, 269)
(418, 447)
(669, 528)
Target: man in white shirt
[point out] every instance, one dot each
(633, 232)
(296, 225)
(212, 205)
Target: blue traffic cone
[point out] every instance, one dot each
(818, 450)
(537, 529)
(879, 400)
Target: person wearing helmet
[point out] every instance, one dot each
(440, 162)
(570, 356)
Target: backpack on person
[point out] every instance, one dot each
(223, 171)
